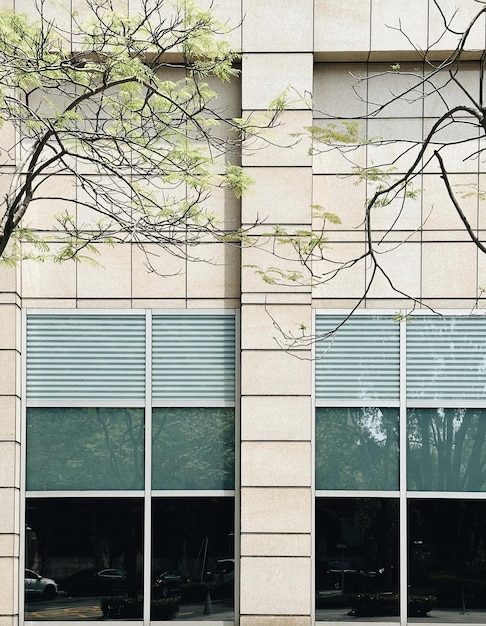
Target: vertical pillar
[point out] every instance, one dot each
(276, 406)
(10, 407)
(10, 341)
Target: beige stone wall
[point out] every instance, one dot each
(422, 244)
(10, 435)
(309, 47)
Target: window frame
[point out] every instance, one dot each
(147, 404)
(403, 494)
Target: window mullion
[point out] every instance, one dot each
(403, 474)
(147, 541)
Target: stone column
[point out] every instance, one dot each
(10, 471)
(276, 408)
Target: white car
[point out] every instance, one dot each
(36, 586)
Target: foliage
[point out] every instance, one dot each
(121, 608)
(194, 592)
(419, 606)
(387, 604)
(356, 448)
(442, 101)
(163, 609)
(193, 448)
(374, 604)
(446, 449)
(454, 591)
(102, 448)
(127, 106)
(85, 448)
(128, 608)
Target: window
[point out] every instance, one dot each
(129, 429)
(400, 467)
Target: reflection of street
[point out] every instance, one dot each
(64, 607)
(329, 593)
(219, 611)
(436, 616)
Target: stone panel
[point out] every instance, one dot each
(274, 510)
(342, 26)
(287, 25)
(274, 326)
(8, 585)
(276, 418)
(279, 195)
(265, 76)
(282, 544)
(276, 464)
(276, 586)
(266, 372)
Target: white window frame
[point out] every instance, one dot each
(147, 493)
(403, 494)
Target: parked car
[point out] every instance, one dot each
(332, 574)
(225, 570)
(93, 582)
(169, 583)
(37, 586)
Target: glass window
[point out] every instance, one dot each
(440, 362)
(357, 448)
(84, 555)
(84, 448)
(356, 558)
(193, 556)
(446, 449)
(447, 557)
(446, 357)
(357, 358)
(193, 448)
(193, 357)
(86, 356)
(78, 551)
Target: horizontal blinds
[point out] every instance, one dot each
(360, 361)
(193, 357)
(85, 356)
(446, 358)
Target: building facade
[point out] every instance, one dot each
(204, 436)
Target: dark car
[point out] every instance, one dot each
(332, 575)
(225, 570)
(93, 582)
(169, 583)
(37, 586)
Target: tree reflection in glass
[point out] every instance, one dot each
(85, 448)
(446, 449)
(193, 448)
(357, 448)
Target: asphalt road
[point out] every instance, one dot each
(66, 608)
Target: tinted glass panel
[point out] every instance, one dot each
(193, 448)
(84, 448)
(85, 549)
(357, 448)
(447, 449)
(193, 556)
(447, 559)
(357, 559)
